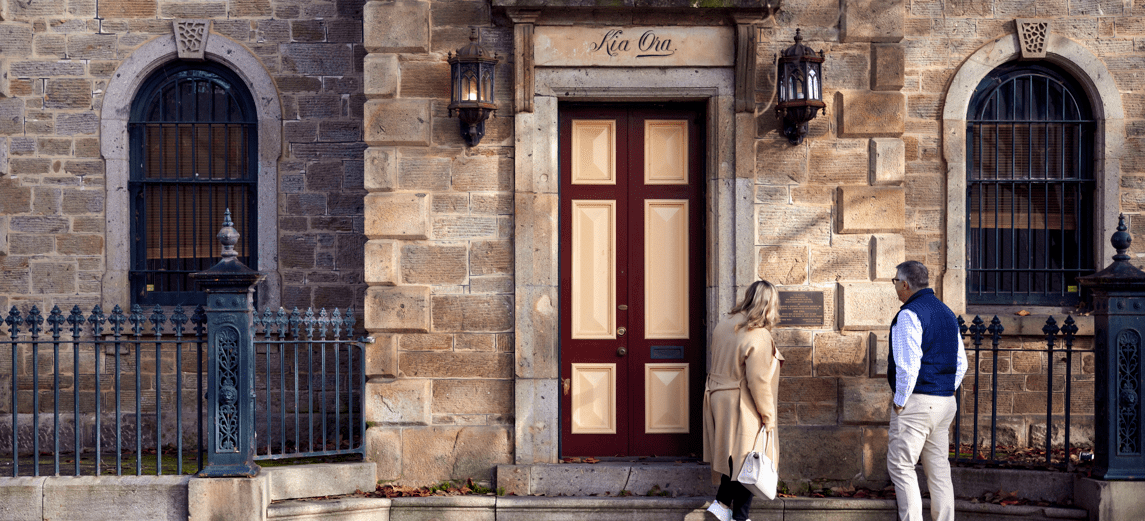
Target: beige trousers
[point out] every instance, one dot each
(922, 431)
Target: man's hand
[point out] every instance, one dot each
(898, 408)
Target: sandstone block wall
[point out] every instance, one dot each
(439, 256)
(56, 58)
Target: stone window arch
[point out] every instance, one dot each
(115, 143)
(1105, 101)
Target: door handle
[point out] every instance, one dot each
(620, 331)
(621, 351)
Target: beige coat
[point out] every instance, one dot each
(741, 395)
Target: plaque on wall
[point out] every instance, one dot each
(800, 308)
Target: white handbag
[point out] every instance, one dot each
(758, 472)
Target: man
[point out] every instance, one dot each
(926, 365)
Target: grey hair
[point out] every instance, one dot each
(914, 273)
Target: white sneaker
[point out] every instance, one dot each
(720, 511)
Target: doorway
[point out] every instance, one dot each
(632, 278)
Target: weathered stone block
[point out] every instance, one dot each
(433, 364)
(91, 46)
(835, 263)
(840, 354)
(382, 356)
(865, 400)
(887, 161)
(317, 59)
(127, 9)
(380, 169)
(398, 402)
(16, 39)
(397, 308)
(871, 114)
(433, 264)
(870, 209)
(433, 454)
(482, 174)
(401, 26)
(888, 67)
(838, 162)
(879, 353)
(887, 251)
(397, 216)
(14, 199)
(381, 262)
(382, 75)
(424, 173)
(397, 122)
(11, 115)
(22, 499)
(227, 498)
(109, 497)
(875, 455)
(491, 258)
(868, 305)
(792, 225)
(472, 397)
(806, 457)
(472, 313)
(384, 447)
(873, 21)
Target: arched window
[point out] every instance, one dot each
(193, 133)
(1030, 187)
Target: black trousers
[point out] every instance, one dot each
(734, 495)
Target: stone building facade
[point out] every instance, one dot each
(460, 256)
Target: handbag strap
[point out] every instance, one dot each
(762, 432)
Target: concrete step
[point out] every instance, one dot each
(511, 508)
(344, 509)
(320, 479)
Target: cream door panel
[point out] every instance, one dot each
(666, 268)
(594, 152)
(665, 152)
(666, 398)
(593, 269)
(594, 398)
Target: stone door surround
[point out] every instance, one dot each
(728, 200)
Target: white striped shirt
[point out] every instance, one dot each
(906, 342)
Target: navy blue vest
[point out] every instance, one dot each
(939, 345)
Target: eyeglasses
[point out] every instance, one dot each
(896, 280)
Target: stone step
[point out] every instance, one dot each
(320, 479)
(511, 508)
(344, 509)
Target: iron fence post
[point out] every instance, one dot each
(230, 359)
(1118, 294)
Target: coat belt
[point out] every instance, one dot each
(719, 382)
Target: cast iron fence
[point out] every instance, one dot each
(124, 392)
(1057, 349)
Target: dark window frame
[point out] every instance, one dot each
(183, 106)
(1030, 187)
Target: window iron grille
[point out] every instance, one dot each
(193, 132)
(1030, 188)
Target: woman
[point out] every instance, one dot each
(741, 395)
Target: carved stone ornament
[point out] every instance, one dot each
(191, 38)
(1033, 36)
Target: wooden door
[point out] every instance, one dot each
(632, 279)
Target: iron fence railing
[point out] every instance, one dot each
(301, 373)
(123, 393)
(1058, 351)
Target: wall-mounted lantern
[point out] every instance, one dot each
(799, 86)
(473, 73)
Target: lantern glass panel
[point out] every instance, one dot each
(469, 86)
(813, 86)
(487, 84)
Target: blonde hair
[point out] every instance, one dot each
(760, 305)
